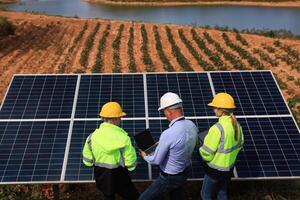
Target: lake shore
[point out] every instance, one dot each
(8, 1)
(201, 3)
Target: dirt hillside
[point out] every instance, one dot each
(45, 44)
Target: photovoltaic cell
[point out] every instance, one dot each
(193, 88)
(39, 97)
(255, 93)
(96, 90)
(81, 130)
(271, 148)
(32, 151)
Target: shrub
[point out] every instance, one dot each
(159, 48)
(6, 28)
(101, 48)
(116, 46)
(88, 46)
(130, 52)
(177, 53)
(206, 66)
(145, 51)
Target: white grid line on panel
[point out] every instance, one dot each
(13, 144)
(267, 147)
(70, 130)
(146, 180)
(40, 98)
(189, 85)
(138, 118)
(38, 153)
(53, 91)
(277, 139)
(254, 146)
(51, 154)
(147, 118)
(138, 73)
(35, 120)
(211, 84)
(284, 100)
(270, 94)
(28, 97)
(259, 94)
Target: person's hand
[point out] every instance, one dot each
(142, 153)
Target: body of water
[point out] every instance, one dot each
(240, 17)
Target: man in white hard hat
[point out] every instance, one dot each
(173, 153)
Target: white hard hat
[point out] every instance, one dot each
(169, 99)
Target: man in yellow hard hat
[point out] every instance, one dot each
(221, 146)
(109, 150)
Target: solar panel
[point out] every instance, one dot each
(95, 90)
(255, 93)
(39, 97)
(32, 151)
(193, 88)
(45, 120)
(271, 148)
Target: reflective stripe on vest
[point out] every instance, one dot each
(105, 165)
(220, 168)
(221, 148)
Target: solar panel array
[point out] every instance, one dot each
(45, 120)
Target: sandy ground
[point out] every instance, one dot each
(202, 3)
(41, 44)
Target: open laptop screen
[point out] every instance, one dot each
(144, 140)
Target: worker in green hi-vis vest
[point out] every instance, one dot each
(109, 150)
(220, 148)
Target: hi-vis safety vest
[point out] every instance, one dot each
(109, 146)
(220, 148)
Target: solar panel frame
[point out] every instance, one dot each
(147, 119)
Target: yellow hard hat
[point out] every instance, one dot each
(222, 100)
(112, 110)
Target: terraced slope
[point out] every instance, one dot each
(44, 44)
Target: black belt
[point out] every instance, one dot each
(178, 174)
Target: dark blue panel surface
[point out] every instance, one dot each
(271, 149)
(32, 151)
(96, 90)
(255, 93)
(193, 88)
(81, 130)
(36, 97)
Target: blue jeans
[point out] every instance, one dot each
(214, 187)
(165, 184)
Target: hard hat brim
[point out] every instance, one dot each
(164, 107)
(213, 105)
(123, 114)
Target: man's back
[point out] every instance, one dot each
(181, 138)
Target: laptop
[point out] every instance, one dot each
(145, 141)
